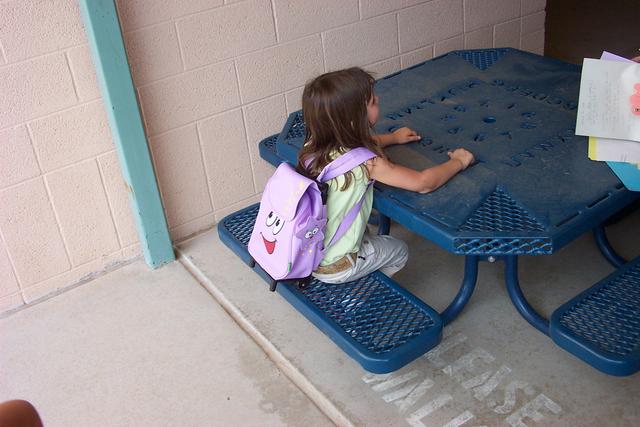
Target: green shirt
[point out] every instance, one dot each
(338, 205)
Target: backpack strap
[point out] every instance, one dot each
(349, 217)
(345, 163)
(340, 166)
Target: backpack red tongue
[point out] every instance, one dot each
(270, 246)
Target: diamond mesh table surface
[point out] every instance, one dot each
(533, 189)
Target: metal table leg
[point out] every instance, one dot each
(518, 298)
(384, 224)
(465, 292)
(466, 287)
(606, 249)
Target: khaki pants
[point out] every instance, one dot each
(384, 253)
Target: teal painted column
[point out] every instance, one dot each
(110, 61)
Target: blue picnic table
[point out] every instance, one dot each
(531, 192)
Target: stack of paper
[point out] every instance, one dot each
(607, 114)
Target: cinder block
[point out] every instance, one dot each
(409, 3)
(221, 213)
(293, 99)
(416, 57)
(153, 53)
(226, 158)
(481, 13)
(530, 6)
(198, 225)
(31, 233)
(280, 68)
(30, 28)
(370, 8)
(79, 200)
(35, 88)
(428, 23)
(226, 32)
(190, 96)
(533, 42)
(80, 274)
(507, 34)
(181, 175)
(362, 43)
(533, 23)
(118, 195)
(446, 46)
(3, 57)
(132, 251)
(73, 135)
(8, 282)
(299, 18)
(83, 72)
(478, 39)
(262, 119)
(384, 68)
(139, 13)
(10, 302)
(17, 159)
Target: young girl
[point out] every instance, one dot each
(340, 108)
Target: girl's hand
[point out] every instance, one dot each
(405, 135)
(463, 156)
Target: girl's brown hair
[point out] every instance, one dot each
(335, 114)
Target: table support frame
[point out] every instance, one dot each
(511, 279)
(467, 287)
(517, 296)
(606, 249)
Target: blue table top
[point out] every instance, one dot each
(533, 189)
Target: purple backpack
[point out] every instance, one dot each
(288, 236)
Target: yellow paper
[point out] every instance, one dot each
(592, 148)
(614, 150)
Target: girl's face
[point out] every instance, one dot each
(373, 110)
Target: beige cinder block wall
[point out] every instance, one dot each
(213, 78)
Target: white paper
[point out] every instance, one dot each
(604, 107)
(614, 150)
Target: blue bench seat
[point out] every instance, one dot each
(373, 319)
(602, 325)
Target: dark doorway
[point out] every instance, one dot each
(577, 29)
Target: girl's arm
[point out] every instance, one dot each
(399, 136)
(424, 181)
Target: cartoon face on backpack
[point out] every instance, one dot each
(273, 225)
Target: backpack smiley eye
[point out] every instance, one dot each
(271, 218)
(315, 231)
(308, 234)
(277, 226)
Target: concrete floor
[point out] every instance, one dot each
(139, 347)
(143, 348)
